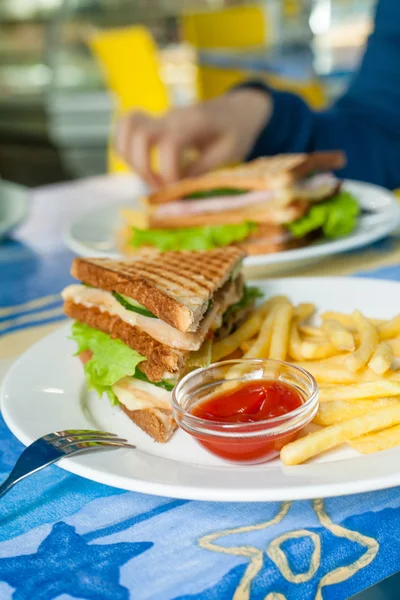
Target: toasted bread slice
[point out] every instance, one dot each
(160, 358)
(156, 422)
(263, 173)
(175, 286)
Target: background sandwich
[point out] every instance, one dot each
(141, 324)
(266, 205)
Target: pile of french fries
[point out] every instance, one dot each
(353, 359)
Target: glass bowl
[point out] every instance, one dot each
(244, 442)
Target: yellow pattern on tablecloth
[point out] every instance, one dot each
(276, 554)
(14, 344)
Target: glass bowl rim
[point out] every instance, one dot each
(264, 427)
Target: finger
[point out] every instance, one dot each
(171, 148)
(136, 134)
(140, 154)
(124, 128)
(218, 154)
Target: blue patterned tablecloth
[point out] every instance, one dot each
(63, 537)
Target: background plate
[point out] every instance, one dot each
(94, 233)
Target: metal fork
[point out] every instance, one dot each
(54, 446)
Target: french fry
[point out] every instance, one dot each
(382, 358)
(311, 331)
(328, 373)
(315, 350)
(359, 391)
(280, 331)
(338, 411)
(303, 311)
(246, 331)
(261, 346)
(338, 359)
(377, 441)
(389, 329)
(247, 344)
(340, 337)
(369, 341)
(231, 343)
(266, 306)
(346, 320)
(395, 346)
(234, 355)
(317, 442)
(334, 372)
(295, 342)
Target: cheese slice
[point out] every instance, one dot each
(135, 394)
(159, 330)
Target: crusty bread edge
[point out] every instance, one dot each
(149, 421)
(161, 358)
(136, 287)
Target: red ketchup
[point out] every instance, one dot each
(252, 402)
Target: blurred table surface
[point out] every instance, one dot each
(64, 537)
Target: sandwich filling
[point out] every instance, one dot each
(156, 328)
(114, 368)
(317, 186)
(181, 225)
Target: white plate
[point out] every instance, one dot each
(94, 233)
(44, 391)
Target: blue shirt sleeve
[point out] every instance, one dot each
(365, 122)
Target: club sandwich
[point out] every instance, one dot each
(141, 324)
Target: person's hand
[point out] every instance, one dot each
(222, 131)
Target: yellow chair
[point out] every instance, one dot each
(233, 27)
(129, 60)
(237, 28)
(230, 28)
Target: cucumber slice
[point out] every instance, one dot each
(215, 192)
(166, 385)
(132, 305)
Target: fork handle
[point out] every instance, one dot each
(22, 469)
(7, 484)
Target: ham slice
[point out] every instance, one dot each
(214, 204)
(319, 185)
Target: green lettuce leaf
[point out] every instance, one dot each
(250, 294)
(165, 384)
(111, 361)
(336, 217)
(215, 192)
(192, 238)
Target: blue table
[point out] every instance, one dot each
(65, 537)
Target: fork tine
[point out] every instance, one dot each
(87, 440)
(59, 435)
(80, 446)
